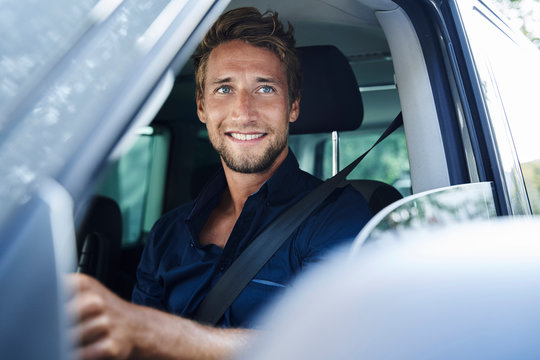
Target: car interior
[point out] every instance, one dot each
(355, 57)
(99, 134)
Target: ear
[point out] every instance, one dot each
(200, 110)
(295, 110)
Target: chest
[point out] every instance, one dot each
(187, 282)
(217, 228)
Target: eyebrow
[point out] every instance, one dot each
(267, 80)
(221, 81)
(259, 80)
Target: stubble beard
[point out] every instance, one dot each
(250, 163)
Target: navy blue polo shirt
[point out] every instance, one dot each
(176, 272)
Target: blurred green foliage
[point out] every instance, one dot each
(531, 174)
(387, 162)
(526, 13)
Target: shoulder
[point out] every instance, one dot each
(306, 181)
(169, 223)
(337, 221)
(179, 212)
(345, 198)
(344, 207)
(347, 195)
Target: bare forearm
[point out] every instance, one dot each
(108, 327)
(158, 335)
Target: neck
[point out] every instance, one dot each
(241, 186)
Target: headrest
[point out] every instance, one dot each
(330, 98)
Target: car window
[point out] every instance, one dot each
(508, 67)
(82, 89)
(75, 77)
(50, 31)
(387, 162)
(136, 182)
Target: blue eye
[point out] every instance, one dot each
(224, 90)
(266, 89)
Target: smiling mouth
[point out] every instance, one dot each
(246, 137)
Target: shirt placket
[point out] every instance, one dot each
(241, 232)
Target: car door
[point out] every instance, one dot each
(482, 76)
(478, 64)
(501, 67)
(76, 80)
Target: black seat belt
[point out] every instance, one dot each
(261, 249)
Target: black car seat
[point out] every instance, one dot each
(331, 102)
(99, 239)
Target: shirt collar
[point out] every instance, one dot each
(278, 189)
(210, 193)
(281, 186)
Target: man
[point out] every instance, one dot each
(248, 90)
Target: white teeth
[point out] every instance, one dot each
(245, 137)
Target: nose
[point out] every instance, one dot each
(243, 107)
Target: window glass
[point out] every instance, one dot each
(137, 181)
(62, 112)
(509, 69)
(28, 51)
(387, 162)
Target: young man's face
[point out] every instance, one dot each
(245, 106)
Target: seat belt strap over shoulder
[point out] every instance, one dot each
(261, 249)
